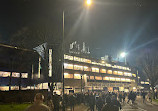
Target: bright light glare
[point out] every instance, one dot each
(89, 2)
(123, 54)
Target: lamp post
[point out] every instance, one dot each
(88, 3)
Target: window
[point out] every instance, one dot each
(98, 77)
(128, 80)
(134, 75)
(68, 57)
(77, 67)
(66, 75)
(77, 59)
(68, 66)
(91, 77)
(115, 72)
(83, 60)
(4, 74)
(120, 73)
(86, 68)
(103, 70)
(108, 65)
(24, 75)
(15, 74)
(109, 71)
(95, 69)
(123, 79)
(118, 79)
(112, 78)
(77, 76)
(106, 78)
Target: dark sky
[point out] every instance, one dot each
(108, 26)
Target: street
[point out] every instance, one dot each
(138, 106)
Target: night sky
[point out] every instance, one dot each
(107, 27)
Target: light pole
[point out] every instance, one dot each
(88, 3)
(123, 55)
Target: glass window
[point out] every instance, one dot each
(95, 69)
(103, 70)
(128, 80)
(66, 75)
(24, 75)
(108, 65)
(86, 68)
(98, 77)
(105, 78)
(91, 77)
(77, 76)
(4, 74)
(109, 71)
(15, 74)
(77, 67)
(120, 73)
(68, 57)
(77, 59)
(68, 66)
(118, 79)
(115, 72)
(123, 79)
(112, 79)
(83, 60)
(134, 75)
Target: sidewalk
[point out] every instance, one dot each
(80, 107)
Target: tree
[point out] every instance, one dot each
(148, 61)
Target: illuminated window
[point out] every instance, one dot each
(133, 80)
(4, 74)
(24, 75)
(15, 74)
(77, 67)
(123, 79)
(98, 77)
(86, 68)
(109, 71)
(103, 70)
(128, 80)
(120, 73)
(108, 65)
(66, 75)
(95, 69)
(105, 78)
(83, 60)
(142, 82)
(118, 79)
(112, 78)
(77, 76)
(134, 75)
(115, 72)
(88, 61)
(68, 66)
(91, 77)
(68, 57)
(127, 74)
(76, 58)
(146, 82)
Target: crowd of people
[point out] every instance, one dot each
(103, 101)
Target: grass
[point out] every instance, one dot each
(13, 107)
(155, 100)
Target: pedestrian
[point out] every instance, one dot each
(38, 104)
(109, 106)
(99, 103)
(129, 97)
(115, 102)
(120, 97)
(143, 95)
(91, 101)
(150, 96)
(50, 104)
(72, 101)
(56, 101)
(124, 96)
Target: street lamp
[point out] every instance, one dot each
(88, 3)
(123, 55)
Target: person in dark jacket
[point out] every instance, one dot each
(109, 106)
(72, 101)
(56, 101)
(91, 101)
(99, 103)
(115, 102)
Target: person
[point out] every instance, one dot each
(109, 106)
(129, 97)
(50, 104)
(143, 95)
(150, 96)
(120, 96)
(124, 96)
(91, 101)
(38, 104)
(56, 101)
(99, 103)
(115, 102)
(72, 101)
